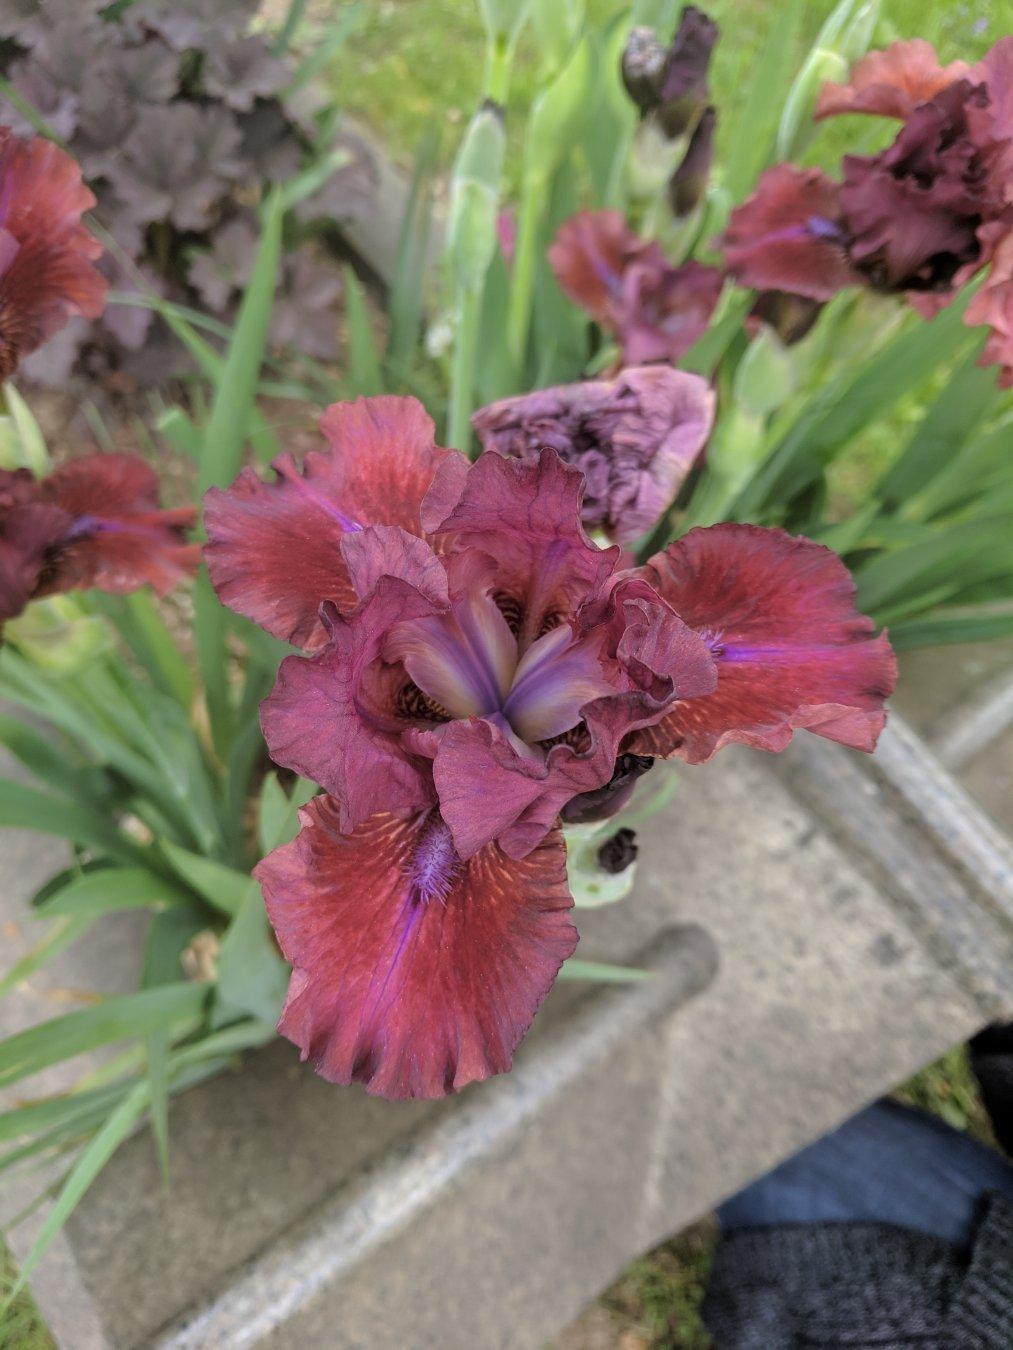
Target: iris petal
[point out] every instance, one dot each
(554, 680)
(464, 660)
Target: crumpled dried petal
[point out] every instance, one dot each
(634, 438)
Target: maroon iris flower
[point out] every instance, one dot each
(890, 83)
(655, 310)
(480, 665)
(46, 254)
(921, 217)
(634, 438)
(92, 522)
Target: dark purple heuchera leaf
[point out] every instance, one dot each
(29, 21)
(193, 23)
(148, 73)
(53, 363)
(68, 48)
(106, 117)
(217, 273)
(243, 70)
(305, 314)
(268, 147)
(173, 162)
(56, 104)
(913, 211)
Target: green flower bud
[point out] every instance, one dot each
(474, 199)
(58, 635)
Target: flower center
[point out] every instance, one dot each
(466, 664)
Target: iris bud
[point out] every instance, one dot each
(474, 199)
(643, 65)
(688, 185)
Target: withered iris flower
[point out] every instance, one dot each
(634, 438)
(479, 664)
(46, 253)
(94, 521)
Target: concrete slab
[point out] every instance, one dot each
(536, 1191)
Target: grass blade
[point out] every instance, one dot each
(93, 1158)
(119, 1018)
(27, 808)
(365, 375)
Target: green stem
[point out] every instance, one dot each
(522, 282)
(499, 59)
(462, 374)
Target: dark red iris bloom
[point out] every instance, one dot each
(479, 665)
(46, 254)
(921, 217)
(92, 522)
(655, 311)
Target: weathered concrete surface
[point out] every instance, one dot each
(828, 994)
(961, 701)
(105, 960)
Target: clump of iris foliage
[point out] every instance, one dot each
(141, 733)
(181, 119)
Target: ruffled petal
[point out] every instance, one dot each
(663, 310)
(590, 254)
(993, 305)
(491, 789)
(890, 83)
(46, 254)
(332, 717)
(117, 539)
(526, 515)
(788, 236)
(414, 973)
(27, 534)
(274, 551)
(791, 651)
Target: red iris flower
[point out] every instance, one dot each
(479, 665)
(656, 311)
(92, 522)
(46, 254)
(921, 217)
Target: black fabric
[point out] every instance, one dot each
(854, 1286)
(992, 1062)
